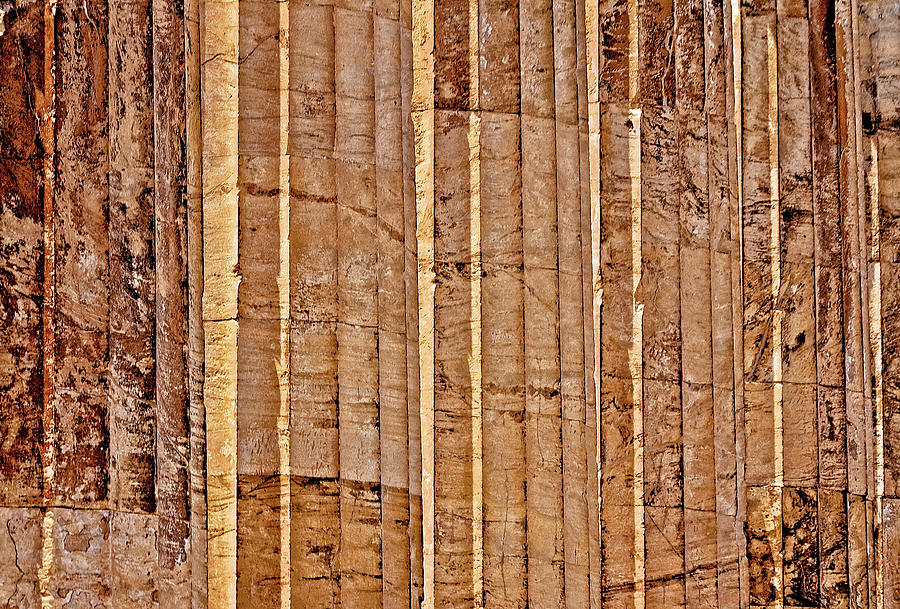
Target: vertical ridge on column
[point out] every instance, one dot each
(423, 117)
(173, 491)
(796, 302)
(220, 24)
(475, 355)
(392, 343)
(410, 275)
(314, 461)
(132, 366)
(357, 306)
(503, 368)
(195, 348)
(723, 243)
(543, 414)
(473, 138)
(635, 353)
(761, 349)
(576, 538)
(48, 306)
(831, 339)
(81, 338)
(457, 384)
(621, 417)
(697, 163)
(658, 292)
(589, 132)
(262, 303)
(284, 208)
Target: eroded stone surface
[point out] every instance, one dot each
(247, 282)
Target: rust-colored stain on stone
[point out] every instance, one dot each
(449, 304)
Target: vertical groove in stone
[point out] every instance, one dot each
(621, 440)
(857, 369)
(221, 278)
(860, 561)
(589, 131)
(862, 70)
(850, 250)
(854, 357)
(835, 321)
(503, 347)
(392, 342)
(314, 464)
(797, 297)
(866, 76)
(423, 117)
(723, 243)
(195, 346)
(81, 347)
(48, 305)
(543, 414)
(761, 274)
(262, 304)
(505, 568)
(733, 22)
(698, 166)
(82, 265)
(357, 307)
(132, 278)
(576, 539)
(457, 386)
(172, 307)
(659, 294)
(796, 302)
(410, 277)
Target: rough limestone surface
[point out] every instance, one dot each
(487, 304)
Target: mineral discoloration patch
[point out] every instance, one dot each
(21, 254)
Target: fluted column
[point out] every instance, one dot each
(448, 303)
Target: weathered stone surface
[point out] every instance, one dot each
(132, 284)
(81, 202)
(464, 303)
(22, 150)
(20, 545)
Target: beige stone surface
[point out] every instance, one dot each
(448, 303)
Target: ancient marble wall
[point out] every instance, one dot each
(449, 304)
